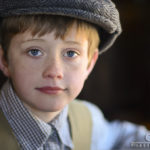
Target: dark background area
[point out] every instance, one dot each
(120, 82)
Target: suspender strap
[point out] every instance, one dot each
(7, 139)
(81, 125)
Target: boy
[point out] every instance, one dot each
(48, 49)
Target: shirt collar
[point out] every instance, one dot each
(61, 125)
(60, 122)
(28, 129)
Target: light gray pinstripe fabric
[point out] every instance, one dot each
(31, 132)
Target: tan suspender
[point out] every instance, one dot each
(80, 122)
(81, 125)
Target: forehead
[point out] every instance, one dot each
(73, 33)
(76, 33)
(73, 36)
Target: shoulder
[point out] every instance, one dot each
(92, 108)
(106, 135)
(100, 126)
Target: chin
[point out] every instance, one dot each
(51, 108)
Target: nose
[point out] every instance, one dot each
(53, 70)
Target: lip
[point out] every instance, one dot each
(50, 90)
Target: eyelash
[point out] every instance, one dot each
(72, 51)
(35, 50)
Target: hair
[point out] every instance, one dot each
(42, 24)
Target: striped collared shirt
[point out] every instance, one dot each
(31, 132)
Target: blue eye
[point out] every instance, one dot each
(35, 52)
(71, 54)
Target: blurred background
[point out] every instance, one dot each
(120, 82)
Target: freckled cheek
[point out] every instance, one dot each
(20, 72)
(75, 79)
(75, 85)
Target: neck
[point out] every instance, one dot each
(44, 116)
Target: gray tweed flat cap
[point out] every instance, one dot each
(103, 13)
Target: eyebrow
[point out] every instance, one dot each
(30, 40)
(36, 39)
(73, 42)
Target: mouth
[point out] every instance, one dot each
(50, 90)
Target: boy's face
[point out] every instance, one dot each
(47, 73)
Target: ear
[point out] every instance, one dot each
(92, 62)
(3, 63)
